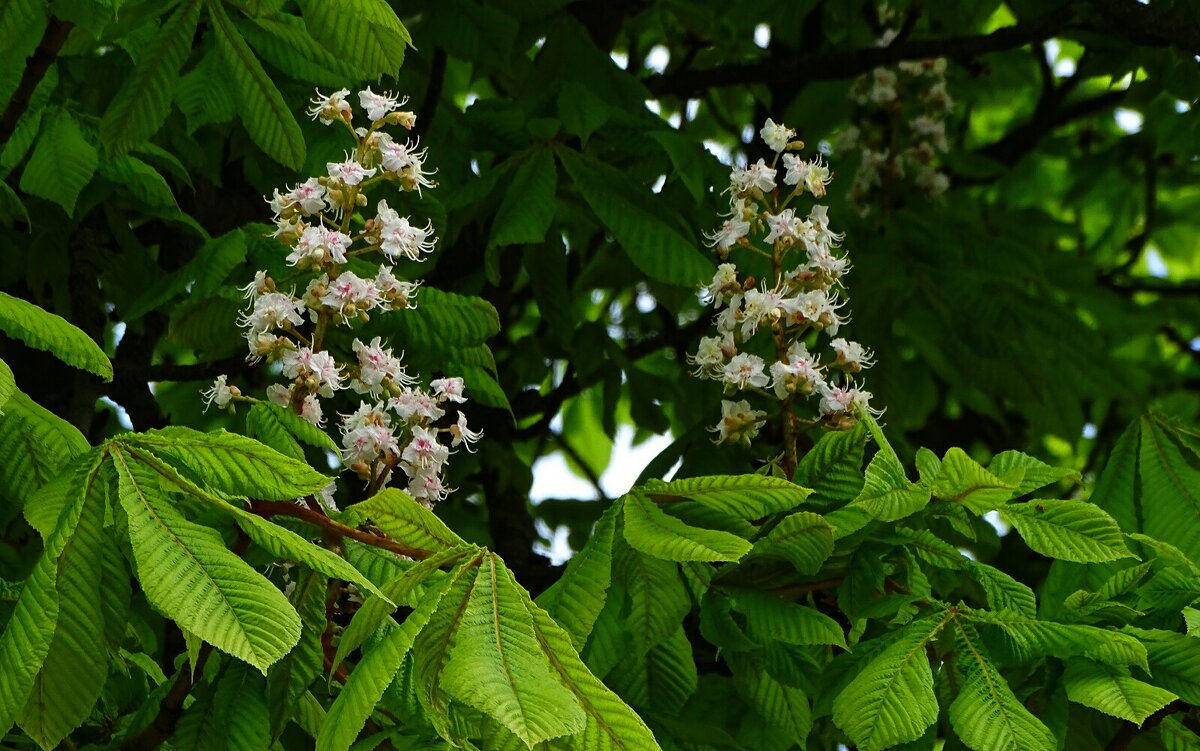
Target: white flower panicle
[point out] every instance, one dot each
(401, 426)
(786, 314)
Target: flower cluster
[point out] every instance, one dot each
(786, 313)
(400, 424)
(909, 137)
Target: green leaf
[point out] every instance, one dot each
(658, 598)
(262, 108)
(529, 202)
(449, 319)
(657, 248)
(1174, 663)
(28, 635)
(285, 42)
(497, 665)
(576, 599)
(803, 538)
(365, 33)
(280, 428)
(1028, 639)
(887, 494)
(932, 549)
(144, 183)
(375, 672)
(962, 480)
(241, 709)
(288, 680)
(35, 446)
(50, 333)
(662, 679)
(397, 514)
(718, 626)
(609, 723)
(76, 666)
(143, 102)
(785, 708)
(770, 618)
(431, 648)
(63, 162)
(985, 714)
(1068, 530)
(747, 496)
(833, 467)
(1002, 591)
(891, 700)
(230, 463)
(1036, 474)
(1113, 691)
(649, 529)
(189, 575)
(203, 93)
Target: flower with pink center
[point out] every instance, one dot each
(448, 389)
(350, 294)
(304, 364)
(318, 246)
(399, 237)
(423, 451)
(349, 172)
(395, 294)
(414, 405)
(376, 366)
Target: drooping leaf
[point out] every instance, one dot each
(241, 713)
(35, 446)
(43, 330)
(771, 618)
(648, 529)
(1068, 530)
(189, 574)
(784, 707)
(230, 463)
(658, 598)
(62, 164)
(1028, 638)
(1002, 591)
(747, 496)
(576, 599)
(497, 664)
(262, 108)
(986, 715)
(1036, 473)
(528, 207)
(662, 679)
(365, 33)
(143, 102)
(963, 480)
(891, 700)
(288, 680)
(1113, 691)
(803, 538)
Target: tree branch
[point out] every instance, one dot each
(43, 57)
(268, 509)
(1150, 25)
(834, 65)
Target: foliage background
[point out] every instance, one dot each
(1051, 289)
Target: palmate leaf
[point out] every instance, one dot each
(528, 206)
(609, 723)
(376, 671)
(262, 108)
(887, 494)
(662, 680)
(190, 576)
(658, 598)
(73, 674)
(1174, 662)
(497, 665)
(450, 320)
(402, 518)
(143, 102)
(833, 467)
(230, 463)
(1113, 691)
(62, 164)
(35, 445)
(431, 648)
(1028, 638)
(962, 480)
(657, 248)
(985, 714)
(1068, 530)
(746, 496)
(27, 637)
(576, 599)
(891, 700)
(43, 330)
(648, 529)
(784, 707)
(364, 33)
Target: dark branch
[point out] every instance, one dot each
(1149, 24)
(433, 93)
(267, 509)
(53, 39)
(834, 65)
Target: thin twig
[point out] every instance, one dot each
(268, 509)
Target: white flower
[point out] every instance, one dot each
(813, 307)
(367, 443)
(377, 106)
(220, 394)
(320, 245)
(399, 237)
(304, 364)
(760, 305)
(308, 196)
(776, 136)
(800, 374)
(393, 292)
(744, 371)
(377, 365)
(723, 282)
(835, 399)
(783, 226)
(350, 294)
(423, 452)
(460, 433)
(757, 176)
(259, 286)
(814, 174)
(272, 310)
(279, 394)
(325, 496)
(405, 160)
(332, 107)
(310, 409)
(349, 172)
(931, 128)
(427, 486)
(931, 181)
(414, 405)
(851, 355)
(448, 389)
(739, 423)
(727, 319)
(708, 358)
(883, 86)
